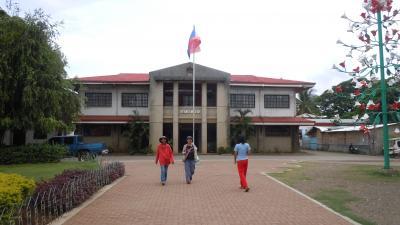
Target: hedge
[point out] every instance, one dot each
(33, 153)
(226, 150)
(14, 189)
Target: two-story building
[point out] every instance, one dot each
(164, 99)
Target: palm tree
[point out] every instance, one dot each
(307, 102)
(138, 133)
(241, 125)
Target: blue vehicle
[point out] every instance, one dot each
(79, 149)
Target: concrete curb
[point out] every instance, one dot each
(66, 216)
(311, 199)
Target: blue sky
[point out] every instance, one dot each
(282, 39)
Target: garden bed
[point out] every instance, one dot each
(58, 195)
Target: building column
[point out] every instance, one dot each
(204, 140)
(223, 119)
(294, 131)
(175, 117)
(156, 112)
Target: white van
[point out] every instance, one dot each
(394, 147)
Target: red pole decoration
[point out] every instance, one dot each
(378, 5)
(375, 56)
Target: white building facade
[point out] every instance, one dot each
(164, 99)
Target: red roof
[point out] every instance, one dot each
(144, 78)
(282, 120)
(118, 78)
(95, 118)
(251, 79)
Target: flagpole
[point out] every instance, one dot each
(194, 86)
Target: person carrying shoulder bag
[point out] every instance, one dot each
(189, 152)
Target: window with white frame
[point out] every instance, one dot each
(135, 100)
(97, 99)
(243, 100)
(276, 101)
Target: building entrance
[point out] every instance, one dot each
(186, 129)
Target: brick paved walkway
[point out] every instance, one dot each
(214, 197)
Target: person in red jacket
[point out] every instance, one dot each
(165, 156)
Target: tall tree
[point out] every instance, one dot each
(307, 102)
(331, 104)
(34, 91)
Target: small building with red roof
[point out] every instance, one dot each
(164, 99)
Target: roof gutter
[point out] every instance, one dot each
(273, 85)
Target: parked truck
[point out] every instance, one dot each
(78, 148)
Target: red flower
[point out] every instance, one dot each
(373, 32)
(387, 39)
(357, 70)
(395, 105)
(356, 92)
(361, 38)
(363, 83)
(338, 89)
(364, 129)
(363, 15)
(371, 107)
(343, 64)
(385, 17)
(378, 106)
(362, 107)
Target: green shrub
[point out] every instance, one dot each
(229, 150)
(14, 189)
(225, 150)
(34, 153)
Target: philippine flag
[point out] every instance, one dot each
(194, 43)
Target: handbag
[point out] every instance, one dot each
(197, 159)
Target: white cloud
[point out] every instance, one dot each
(290, 39)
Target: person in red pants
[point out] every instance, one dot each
(242, 150)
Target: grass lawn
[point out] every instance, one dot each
(369, 173)
(334, 185)
(338, 199)
(292, 175)
(44, 171)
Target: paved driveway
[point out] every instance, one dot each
(214, 197)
